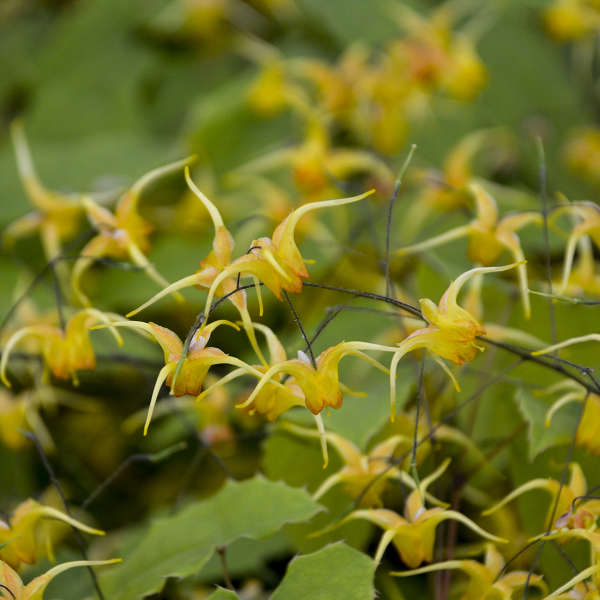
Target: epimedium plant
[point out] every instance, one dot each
(272, 462)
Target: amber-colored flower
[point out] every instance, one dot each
(566, 511)
(123, 235)
(64, 351)
(569, 20)
(414, 534)
(588, 215)
(195, 365)
(213, 266)
(451, 334)
(489, 236)
(56, 216)
(21, 538)
(12, 587)
(276, 261)
(485, 581)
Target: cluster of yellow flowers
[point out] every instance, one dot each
(373, 94)
(451, 333)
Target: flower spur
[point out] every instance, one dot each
(489, 236)
(124, 234)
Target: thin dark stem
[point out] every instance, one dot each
(413, 454)
(394, 462)
(133, 459)
(370, 295)
(2, 586)
(80, 542)
(58, 298)
(563, 481)
(50, 266)
(221, 550)
(301, 328)
(544, 197)
(526, 356)
(388, 225)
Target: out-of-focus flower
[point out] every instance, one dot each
(21, 538)
(588, 432)
(123, 235)
(588, 215)
(368, 471)
(64, 351)
(414, 534)
(583, 278)
(568, 20)
(56, 216)
(489, 236)
(566, 510)
(315, 163)
(582, 153)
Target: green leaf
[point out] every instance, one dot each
(180, 545)
(540, 437)
(336, 571)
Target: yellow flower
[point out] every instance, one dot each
(484, 581)
(588, 214)
(12, 587)
(13, 416)
(488, 237)
(320, 383)
(56, 216)
(21, 538)
(571, 19)
(314, 386)
(437, 56)
(214, 265)
(451, 334)
(582, 153)
(195, 365)
(65, 352)
(359, 470)
(588, 432)
(583, 279)
(339, 86)
(414, 534)
(466, 74)
(371, 471)
(565, 508)
(276, 262)
(315, 163)
(124, 234)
